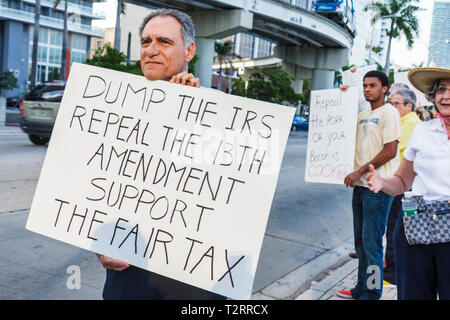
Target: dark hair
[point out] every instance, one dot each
(431, 94)
(187, 26)
(380, 75)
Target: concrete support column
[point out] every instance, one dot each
(321, 62)
(205, 50)
(322, 79)
(211, 25)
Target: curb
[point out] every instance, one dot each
(321, 288)
(298, 281)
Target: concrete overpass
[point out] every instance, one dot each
(311, 46)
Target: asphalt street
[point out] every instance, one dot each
(12, 116)
(309, 231)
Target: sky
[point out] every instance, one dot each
(400, 54)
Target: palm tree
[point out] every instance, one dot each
(338, 74)
(224, 51)
(64, 40)
(120, 10)
(402, 14)
(65, 37)
(37, 16)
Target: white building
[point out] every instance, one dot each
(368, 36)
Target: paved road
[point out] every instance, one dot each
(12, 116)
(309, 231)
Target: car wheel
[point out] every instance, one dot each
(40, 141)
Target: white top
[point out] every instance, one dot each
(375, 129)
(429, 149)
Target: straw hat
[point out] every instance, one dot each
(424, 78)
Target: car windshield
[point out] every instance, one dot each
(49, 92)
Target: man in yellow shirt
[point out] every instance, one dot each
(404, 100)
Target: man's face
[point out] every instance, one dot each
(442, 99)
(373, 89)
(399, 103)
(163, 54)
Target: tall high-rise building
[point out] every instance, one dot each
(439, 46)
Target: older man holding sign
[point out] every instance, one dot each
(167, 46)
(170, 185)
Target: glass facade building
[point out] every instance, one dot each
(250, 46)
(439, 46)
(16, 37)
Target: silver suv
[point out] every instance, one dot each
(39, 109)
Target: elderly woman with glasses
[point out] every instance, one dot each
(423, 268)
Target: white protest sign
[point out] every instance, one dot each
(331, 135)
(355, 79)
(173, 179)
(402, 77)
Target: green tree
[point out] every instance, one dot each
(224, 53)
(65, 37)
(338, 74)
(377, 49)
(402, 15)
(8, 81)
(306, 92)
(238, 87)
(271, 84)
(109, 58)
(192, 63)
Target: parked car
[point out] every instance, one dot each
(39, 108)
(300, 123)
(14, 101)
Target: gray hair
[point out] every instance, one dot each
(431, 94)
(400, 84)
(187, 26)
(408, 95)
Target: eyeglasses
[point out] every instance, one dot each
(442, 89)
(398, 103)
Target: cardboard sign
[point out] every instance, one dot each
(173, 179)
(331, 135)
(355, 79)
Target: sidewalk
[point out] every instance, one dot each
(11, 130)
(320, 278)
(343, 278)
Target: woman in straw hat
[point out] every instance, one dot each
(423, 262)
